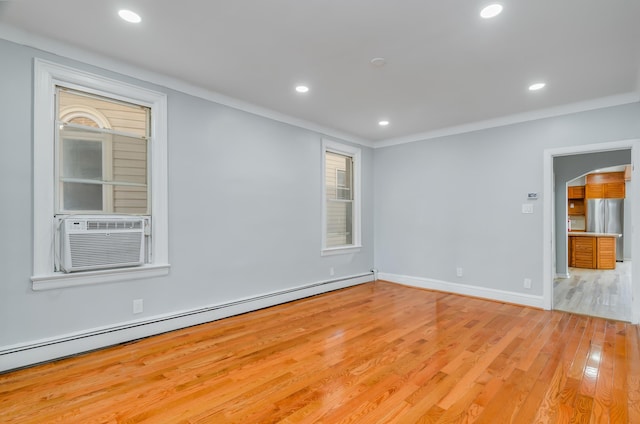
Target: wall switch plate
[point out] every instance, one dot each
(527, 208)
(138, 306)
(459, 271)
(331, 271)
(527, 283)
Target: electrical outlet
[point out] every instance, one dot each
(527, 283)
(459, 271)
(527, 208)
(331, 271)
(138, 306)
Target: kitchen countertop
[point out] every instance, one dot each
(586, 234)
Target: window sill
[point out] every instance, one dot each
(340, 250)
(61, 280)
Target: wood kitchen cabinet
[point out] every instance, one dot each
(606, 185)
(605, 191)
(594, 252)
(594, 191)
(575, 192)
(627, 173)
(575, 207)
(614, 190)
(583, 252)
(606, 252)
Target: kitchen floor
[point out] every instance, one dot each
(600, 293)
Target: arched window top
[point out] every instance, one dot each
(84, 115)
(99, 111)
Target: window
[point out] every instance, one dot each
(105, 143)
(344, 181)
(341, 198)
(102, 155)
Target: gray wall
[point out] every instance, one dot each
(244, 213)
(567, 168)
(456, 201)
(244, 208)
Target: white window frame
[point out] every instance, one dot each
(48, 75)
(107, 195)
(355, 154)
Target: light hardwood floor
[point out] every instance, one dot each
(601, 293)
(374, 353)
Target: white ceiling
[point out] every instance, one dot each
(446, 67)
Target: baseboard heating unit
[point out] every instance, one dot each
(44, 350)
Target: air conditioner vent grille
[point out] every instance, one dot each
(114, 225)
(104, 249)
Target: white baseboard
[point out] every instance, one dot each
(563, 275)
(465, 289)
(34, 352)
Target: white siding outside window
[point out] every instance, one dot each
(341, 198)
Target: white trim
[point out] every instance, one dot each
(356, 154)
(617, 100)
(46, 76)
(340, 250)
(20, 36)
(635, 234)
(464, 289)
(37, 351)
(60, 279)
(548, 219)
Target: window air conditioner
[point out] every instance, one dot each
(98, 242)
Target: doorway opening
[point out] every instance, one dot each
(597, 280)
(561, 166)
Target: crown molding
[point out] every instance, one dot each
(616, 100)
(19, 36)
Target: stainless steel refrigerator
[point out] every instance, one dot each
(607, 216)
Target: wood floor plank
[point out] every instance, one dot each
(620, 399)
(603, 400)
(373, 353)
(632, 364)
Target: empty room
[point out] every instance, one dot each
(241, 211)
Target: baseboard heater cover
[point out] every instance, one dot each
(57, 348)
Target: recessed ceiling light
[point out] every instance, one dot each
(537, 86)
(302, 89)
(130, 16)
(383, 123)
(491, 11)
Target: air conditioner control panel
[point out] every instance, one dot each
(75, 225)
